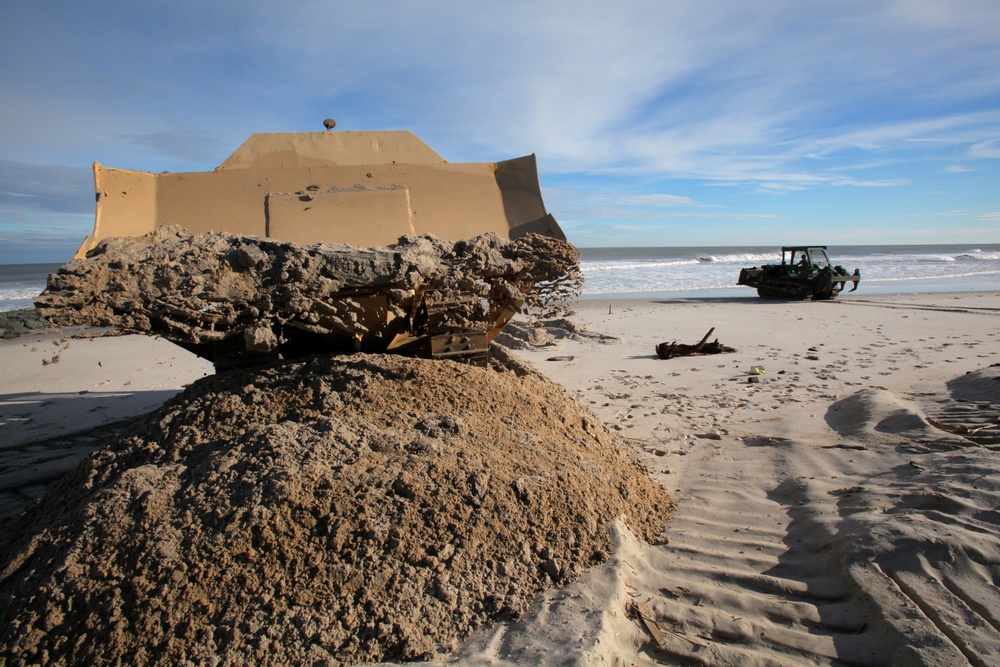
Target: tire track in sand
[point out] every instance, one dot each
(746, 576)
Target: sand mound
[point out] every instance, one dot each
(979, 385)
(337, 509)
(871, 412)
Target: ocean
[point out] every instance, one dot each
(21, 283)
(711, 272)
(708, 272)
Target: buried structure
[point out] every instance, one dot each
(239, 300)
(318, 241)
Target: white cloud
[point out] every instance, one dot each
(886, 183)
(681, 88)
(656, 201)
(986, 149)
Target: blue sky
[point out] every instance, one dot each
(704, 122)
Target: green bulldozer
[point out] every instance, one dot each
(805, 272)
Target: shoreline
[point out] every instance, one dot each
(745, 292)
(720, 293)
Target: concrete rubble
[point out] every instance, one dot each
(234, 298)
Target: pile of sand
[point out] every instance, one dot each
(336, 509)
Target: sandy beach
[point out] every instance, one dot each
(839, 505)
(61, 395)
(821, 518)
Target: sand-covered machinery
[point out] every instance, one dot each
(303, 242)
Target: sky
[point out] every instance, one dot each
(655, 123)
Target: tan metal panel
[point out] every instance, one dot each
(285, 150)
(250, 193)
(128, 197)
(207, 201)
(354, 217)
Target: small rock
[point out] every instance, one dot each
(260, 339)
(478, 487)
(403, 486)
(446, 552)
(521, 490)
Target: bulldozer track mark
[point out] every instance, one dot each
(746, 574)
(935, 613)
(910, 306)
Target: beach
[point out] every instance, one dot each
(820, 516)
(836, 477)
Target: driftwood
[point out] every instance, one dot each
(675, 349)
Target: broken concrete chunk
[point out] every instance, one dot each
(235, 299)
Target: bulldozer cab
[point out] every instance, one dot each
(805, 256)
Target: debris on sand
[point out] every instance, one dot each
(334, 510)
(675, 349)
(238, 300)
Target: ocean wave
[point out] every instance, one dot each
(644, 288)
(632, 276)
(930, 276)
(920, 258)
(631, 265)
(744, 258)
(978, 255)
(19, 292)
(892, 259)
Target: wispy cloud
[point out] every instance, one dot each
(46, 188)
(986, 149)
(195, 145)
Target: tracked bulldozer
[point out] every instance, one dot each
(304, 242)
(805, 272)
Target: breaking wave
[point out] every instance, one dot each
(642, 271)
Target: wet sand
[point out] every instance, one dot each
(61, 395)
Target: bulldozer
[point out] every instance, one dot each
(311, 241)
(805, 272)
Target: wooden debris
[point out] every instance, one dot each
(655, 630)
(652, 627)
(675, 349)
